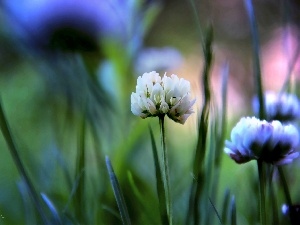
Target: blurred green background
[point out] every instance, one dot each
(46, 94)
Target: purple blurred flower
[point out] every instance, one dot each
(66, 24)
(282, 107)
(270, 142)
(157, 59)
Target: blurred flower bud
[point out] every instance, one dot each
(283, 107)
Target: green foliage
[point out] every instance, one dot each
(63, 113)
(118, 193)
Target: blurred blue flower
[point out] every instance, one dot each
(67, 24)
(283, 107)
(257, 139)
(157, 59)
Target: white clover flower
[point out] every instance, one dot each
(156, 96)
(257, 139)
(282, 107)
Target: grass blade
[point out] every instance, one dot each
(145, 209)
(216, 211)
(233, 211)
(256, 57)
(19, 164)
(29, 210)
(80, 173)
(118, 193)
(222, 132)
(225, 207)
(194, 8)
(73, 192)
(220, 128)
(287, 195)
(52, 209)
(198, 167)
(159, 183)
(286, 8)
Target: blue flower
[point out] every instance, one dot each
(283, 107)
(257, 139)
(65, 24)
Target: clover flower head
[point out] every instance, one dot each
(270, 142)
(283, 107)
(156, 96)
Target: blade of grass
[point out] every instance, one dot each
(19, 164)
(118, 193)
(193, 213)
(286, 85)
(256, 58)
(64, 167)
(233, 211)
(198, 166)
(73, 192)
(287, 195)
(222, 132)
(29, 210)
(111, 211)
(159, 183)
(220, 127)
(291, 61)
(79, 197)
(52, 209)
(196, 16)
(216, 211)
(225, 207)
(209, 171)
(144, 207)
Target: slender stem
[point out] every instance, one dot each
(261, 175)
(166, 167)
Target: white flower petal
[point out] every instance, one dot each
(158, 96)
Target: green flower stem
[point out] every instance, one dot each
(165, 167)
(261, 176)
(285, 186)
